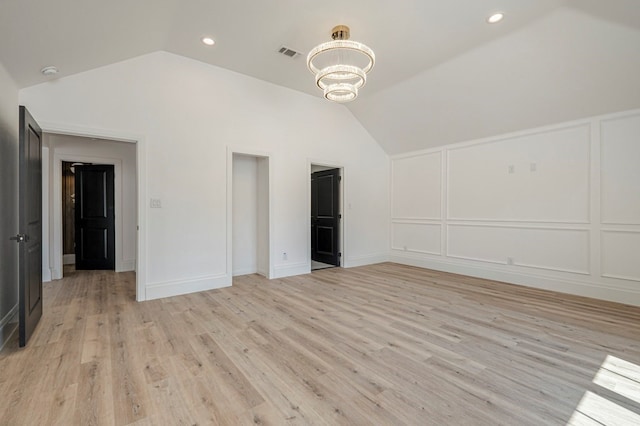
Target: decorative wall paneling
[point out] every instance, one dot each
(416, 237)
(424, 200)
(620, 170)
(621, 254)
(540, 177)
(556, 207)
(570, 246)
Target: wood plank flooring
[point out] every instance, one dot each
(381, 344)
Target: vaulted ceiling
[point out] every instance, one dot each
(442, 75)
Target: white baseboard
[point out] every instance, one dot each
(370, 259)
(244, 271)
(56, 274)
(8, 325)
(575, 287)
(69, 259)
(289, 270)
(176, 288)
(127, 265)
(46, 275)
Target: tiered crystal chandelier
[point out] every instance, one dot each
(341, 65)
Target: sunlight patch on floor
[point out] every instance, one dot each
(621, 377)
(616, 375)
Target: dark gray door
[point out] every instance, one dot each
(30, 220)
(325, 216)
(95, 226)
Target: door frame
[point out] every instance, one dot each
(231, 150)
(56, 186)
(141, 180)
(343, 210)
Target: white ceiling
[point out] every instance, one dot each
(442, 74)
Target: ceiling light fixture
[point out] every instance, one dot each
(208, 41)
(495, 18)
(340, 65)
(49, 70)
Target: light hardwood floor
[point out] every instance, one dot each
(382, 344)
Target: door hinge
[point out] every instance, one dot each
(339, 216)
(339, 178)
(20, 238)
(339, 254)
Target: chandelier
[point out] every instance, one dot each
(340, 65)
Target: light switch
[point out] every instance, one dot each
(156, 203)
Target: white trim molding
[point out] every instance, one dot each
(367, 259)
(290, 269)
(56, 184)
(193, 285)
(562, 285)
(127, 265)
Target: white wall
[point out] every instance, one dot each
(555, 208)
(566, 65)
(9, 200)
(188, 114)
(123, 156)
(245, 215)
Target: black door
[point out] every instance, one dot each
(95, 219)
(325, 216)
(30, 223)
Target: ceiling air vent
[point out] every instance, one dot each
(289, 52)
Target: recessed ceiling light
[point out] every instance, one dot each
(208, 41)
(495, 18)
(49, 70)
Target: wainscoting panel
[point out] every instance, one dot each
(416, 237)
(621, 254)
(540, 177)
(416, 187)
(563, 250)
(620, 170)
(556, 207)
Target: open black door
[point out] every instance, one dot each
(325, 216)
(95, 227)
(30, 235)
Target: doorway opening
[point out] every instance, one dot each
(326, 217)
(250, 215)
(109, 222)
